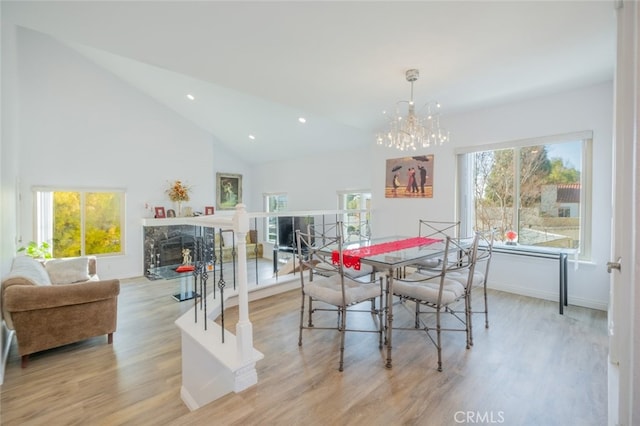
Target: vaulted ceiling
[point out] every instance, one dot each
(256, 67)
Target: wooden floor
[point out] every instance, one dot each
(531, 367)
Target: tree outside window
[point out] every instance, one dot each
(536, 191)
(81, 222)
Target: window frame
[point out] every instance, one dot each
(366, 195)
(44, 231)
(464, 185)
(266, 198)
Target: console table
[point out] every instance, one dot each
(561, 254)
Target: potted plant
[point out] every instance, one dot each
(41, 251)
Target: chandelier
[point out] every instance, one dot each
(406, 133)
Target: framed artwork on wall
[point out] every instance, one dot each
(228, 190)
(409, 177)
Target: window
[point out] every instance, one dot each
(356, 223)
(538, 188)
(273, 203)
(80, 223)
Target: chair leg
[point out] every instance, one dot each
(110, 338)
(301, 321)
(486, 307)
(468, 320)
(438, 339)
(381, 330)
(24, 361)
(380, 315)
(310, 323)
(342, 327)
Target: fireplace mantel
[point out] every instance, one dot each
(215, 221)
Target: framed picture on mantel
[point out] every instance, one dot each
(160, 213)
(228, 190)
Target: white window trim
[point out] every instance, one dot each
(265, 225)
(586, 179)
(46, 234)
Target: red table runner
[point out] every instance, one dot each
(351, 258)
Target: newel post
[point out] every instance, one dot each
(244, 328)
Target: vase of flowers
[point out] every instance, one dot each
(178, 192)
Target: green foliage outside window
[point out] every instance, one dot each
(66, 224)
(100, 212)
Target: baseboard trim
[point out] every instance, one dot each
(548, 295)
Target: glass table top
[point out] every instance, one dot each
(398, 257)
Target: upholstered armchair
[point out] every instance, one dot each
(56, 303)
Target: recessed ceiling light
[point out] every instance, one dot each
(302, 119)
(190, 97)
(252, 137)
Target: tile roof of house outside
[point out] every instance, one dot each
(568, 193)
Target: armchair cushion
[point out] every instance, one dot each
(27, 270)
(68, 270)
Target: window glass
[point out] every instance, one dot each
(273, 203)
(80, 223)
(102, 222)
(537, 191)
(356, 223)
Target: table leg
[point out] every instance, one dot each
(561, 285)
(563, 280)
(389, 311)
(565, 277)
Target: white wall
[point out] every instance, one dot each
(8, 166)
(80, 126)
(76, 116)
(313, 183)
(586, 109)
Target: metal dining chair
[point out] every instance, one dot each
(438, 230)
(481, 273)
(440, 294)
(326, 287)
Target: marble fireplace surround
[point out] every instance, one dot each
(163, 244)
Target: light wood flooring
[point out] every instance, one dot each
(531, 367)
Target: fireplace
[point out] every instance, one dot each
(170, 250)
(163, 245)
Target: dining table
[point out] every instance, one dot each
(389, 255)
